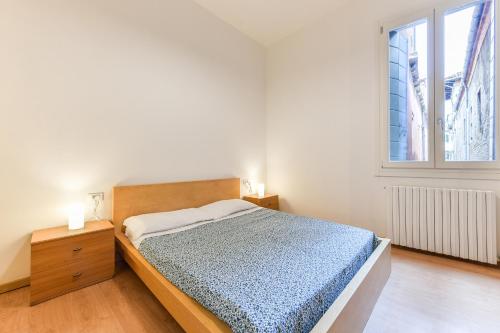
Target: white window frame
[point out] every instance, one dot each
(384, 99)
(436, 143)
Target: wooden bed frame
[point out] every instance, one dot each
(349, 313)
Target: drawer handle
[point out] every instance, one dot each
(78, 249)
(77, 275)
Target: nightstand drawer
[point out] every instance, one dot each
(62, 252)
(271, 203)
(54, 282)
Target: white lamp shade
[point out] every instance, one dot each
(261, 190)
(76, 218)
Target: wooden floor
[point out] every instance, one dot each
(122, 304)
(434, 294)
(424, 294)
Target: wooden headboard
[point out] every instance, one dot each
(143, 199)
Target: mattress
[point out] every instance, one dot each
(265, 271)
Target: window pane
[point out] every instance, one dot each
(469, 65)
(408, 100)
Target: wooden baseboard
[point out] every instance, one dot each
(16, 284)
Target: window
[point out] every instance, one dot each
(408, 92)
(438, 103)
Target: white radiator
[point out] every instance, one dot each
(459, 223)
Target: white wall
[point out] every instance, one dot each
(323, 105)
(106, 92)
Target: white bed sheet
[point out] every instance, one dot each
(138, 241)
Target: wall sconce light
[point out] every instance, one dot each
(76, 216)
(251, 185)
(96, 201)
(261, 190)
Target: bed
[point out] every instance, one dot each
(177, 288)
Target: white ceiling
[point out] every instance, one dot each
(268, 21)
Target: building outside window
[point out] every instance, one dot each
(464, 87)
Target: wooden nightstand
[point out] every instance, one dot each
(270, 201)
(65, 260)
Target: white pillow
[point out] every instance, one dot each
(220, 209)
(148, 223)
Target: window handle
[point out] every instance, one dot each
(77, 249)
(440, 122)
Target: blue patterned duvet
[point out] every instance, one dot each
(265, 271)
